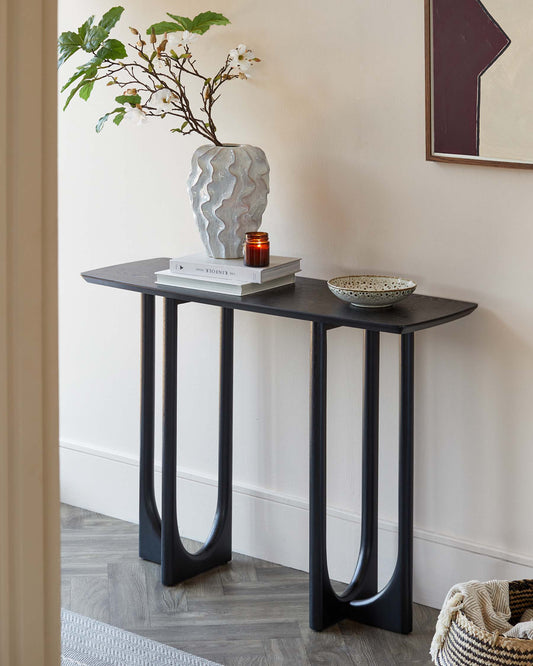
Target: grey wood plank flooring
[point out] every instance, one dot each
(247, 613)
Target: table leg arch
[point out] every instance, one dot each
(391, 608)
(178, 564)
(149, 519)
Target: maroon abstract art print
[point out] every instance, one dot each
(479, 81)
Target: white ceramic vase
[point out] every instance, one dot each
(228, 188)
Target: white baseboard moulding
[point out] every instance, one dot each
(274, 527)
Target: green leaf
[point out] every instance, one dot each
(84, 29)
(73, 78)
(100, 124)
(205, 20)
(111, 18)
(185, 22)
(95, 36)
(73, 92)
(184, 125)
(128, 99)
(86, 90)
(112, 49)
(164, 26)
(119, 118)
(88, 71)
(68, 39)
(68, 43)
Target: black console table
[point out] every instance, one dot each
(309, 300)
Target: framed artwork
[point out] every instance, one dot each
(479, 82)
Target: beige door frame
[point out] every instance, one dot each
(29, 488)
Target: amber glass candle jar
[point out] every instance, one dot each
(257, 249)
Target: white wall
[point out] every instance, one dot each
(337, 103)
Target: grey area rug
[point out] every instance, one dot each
(86, 642)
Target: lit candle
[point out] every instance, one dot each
(257, 249)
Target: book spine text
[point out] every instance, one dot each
(213, 272)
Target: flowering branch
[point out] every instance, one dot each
(154, 83)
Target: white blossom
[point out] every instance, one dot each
(238, 52)
(243, 66)
(185, 38)
(173, 41)
(162, 100)
(242, 58)
(188, 38)
(136, 116)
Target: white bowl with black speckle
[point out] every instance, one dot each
(371, 291)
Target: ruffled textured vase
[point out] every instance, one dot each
(228, 188)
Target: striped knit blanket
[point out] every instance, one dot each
(484, 604)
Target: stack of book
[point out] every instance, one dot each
(227, 276)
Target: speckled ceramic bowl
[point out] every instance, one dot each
(371, 291)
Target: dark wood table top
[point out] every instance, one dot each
(307, 299)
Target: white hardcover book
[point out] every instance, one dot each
(233, 288)
(201, 266)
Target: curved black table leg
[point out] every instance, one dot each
(323, 610)
(177, 563)
(391, 608)
(149, 520)
(365, 579)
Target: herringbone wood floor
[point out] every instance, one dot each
(247, 613)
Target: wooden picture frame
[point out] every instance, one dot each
(464, 114)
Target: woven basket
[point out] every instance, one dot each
(468, 645)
